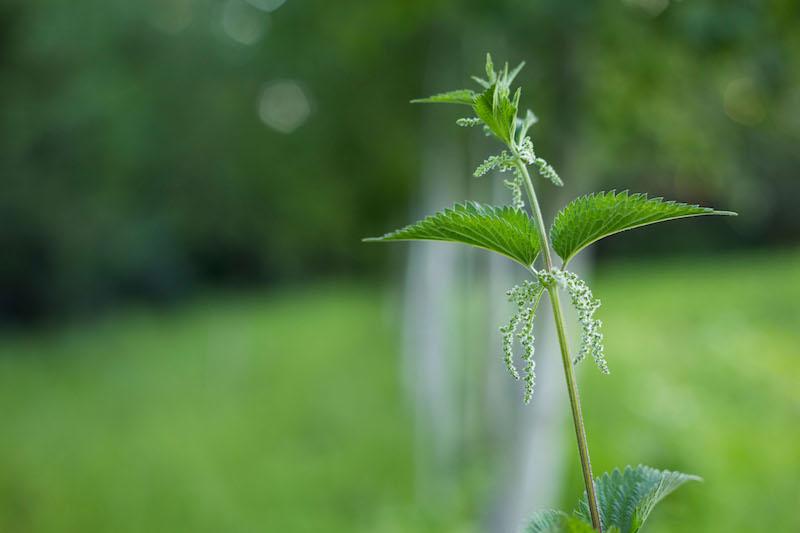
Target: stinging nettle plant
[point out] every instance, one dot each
(619, 501)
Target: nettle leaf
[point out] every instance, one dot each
(513, 74)
(491, 75)
(552, 521)
(505, 230)
(626, 499)
(482, 82)
(524, 124)
(460, 96)
(546, 521)
(590, 218)
(494, 107)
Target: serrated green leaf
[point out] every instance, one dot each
(482, 82)
(513, 73)
(505, 230)
(497, 111)
(590, 218)
(552, 521)
(490, 73)
(524, 124)
(494, 106)
(627, 498)
(547, 521)
(460, 96)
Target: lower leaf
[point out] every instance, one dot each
(553, 521)
(626, 498)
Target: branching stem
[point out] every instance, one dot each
(569, 371)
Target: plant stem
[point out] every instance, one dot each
(575, 404)
(537, 214)
(569, 371)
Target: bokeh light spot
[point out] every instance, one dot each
(243, 23)
(267, 5)
(743, 102)
(284, 106)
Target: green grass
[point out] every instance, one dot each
(283, 411)
(280, 413)
(709, 387)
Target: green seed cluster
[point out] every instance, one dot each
(516, 190)
(526, 339)
(528, 156)
(502, 162)
(548, 172)
(585, 304)
(525, 151)
(468, 122)
(525, 298)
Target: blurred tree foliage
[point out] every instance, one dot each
(135, 161)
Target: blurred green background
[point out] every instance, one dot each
(192, 337)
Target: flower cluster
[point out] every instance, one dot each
(585, 304)
(529, 157)
(548, 172)
(502, 162)
(516, 190)
(468, 122)
(526, 298)
(525, 151)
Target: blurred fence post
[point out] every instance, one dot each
(431, 299)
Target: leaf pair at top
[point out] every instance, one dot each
(512, 232)
(625, 499)
(494, 106)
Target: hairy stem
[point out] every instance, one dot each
(569, 371)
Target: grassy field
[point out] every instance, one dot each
(273, 414)
(704, 380)
(282, 412)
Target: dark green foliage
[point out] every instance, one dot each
(110, 130)
(135, 163)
